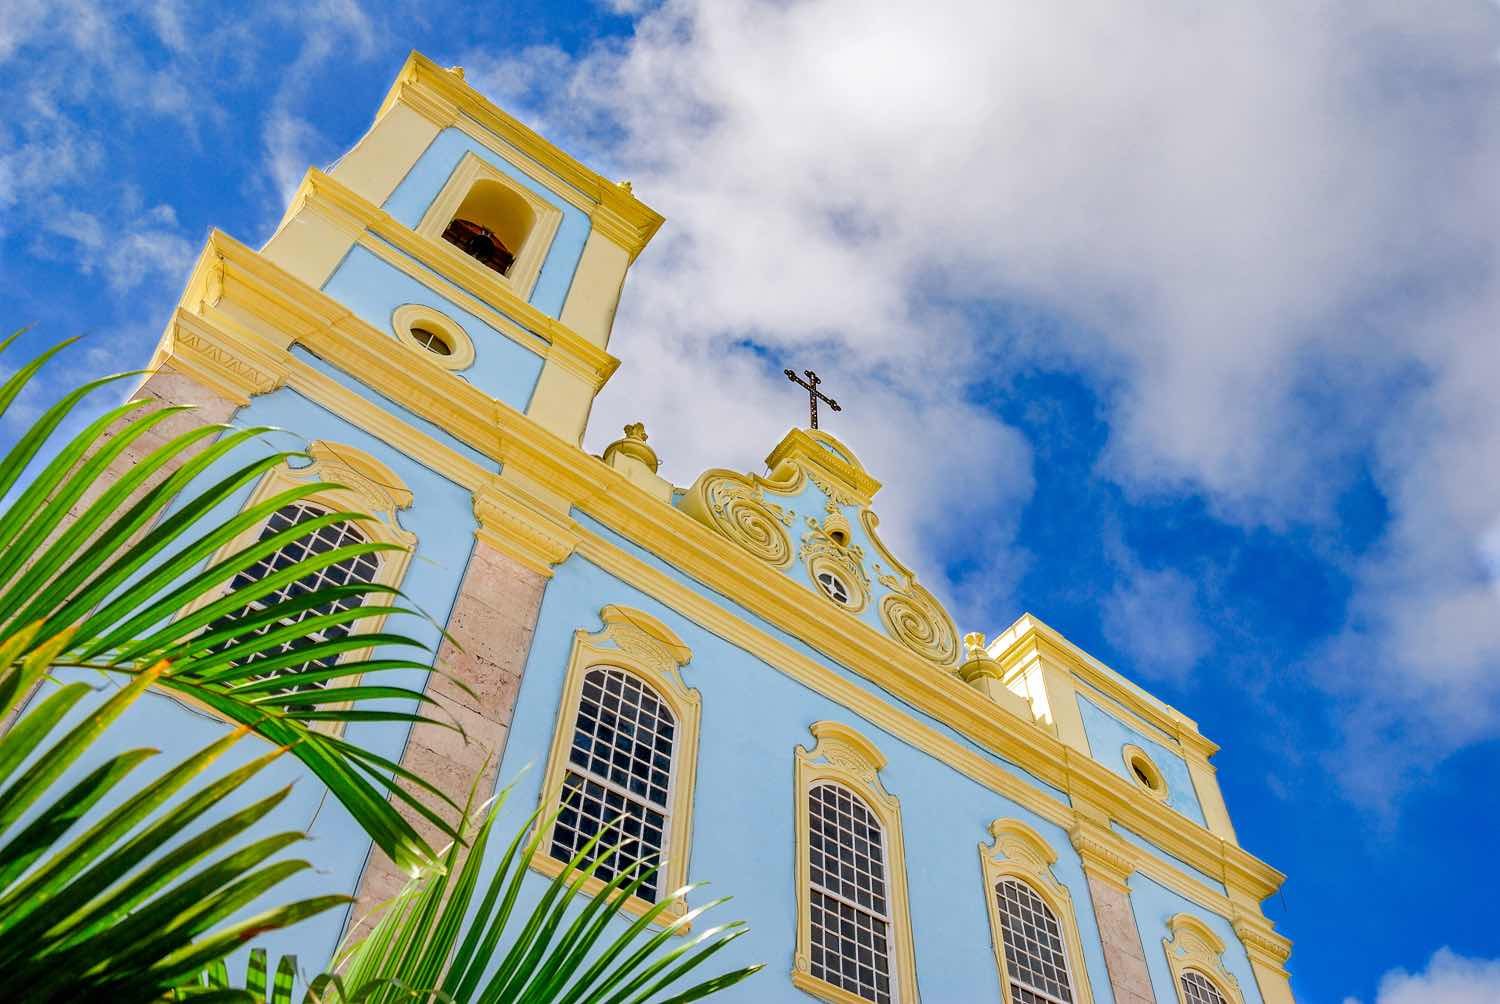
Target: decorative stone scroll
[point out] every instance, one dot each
(736, 506)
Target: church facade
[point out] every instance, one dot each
(739, 668)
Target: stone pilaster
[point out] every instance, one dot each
(1107, 865)
(490, 631)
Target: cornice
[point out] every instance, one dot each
(1030, 635)
(1261, 942)
(516, 524)
(444, 98)
(1105, 856)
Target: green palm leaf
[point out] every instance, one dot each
(114, 565)
(437, 940)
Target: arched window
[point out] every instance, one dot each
(369, 486)
(624, 756)
(496, 218)
(1032, 926)
(1036, 964)
(1199, 989)
(619, 771)
(853, 927)
(357, 568)
(851, 913)
(1195, 954)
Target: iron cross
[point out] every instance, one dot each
(813, 394)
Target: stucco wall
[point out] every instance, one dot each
(753, 719)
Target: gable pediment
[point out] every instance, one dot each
(811, 518)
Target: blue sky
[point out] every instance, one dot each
(1177, 329)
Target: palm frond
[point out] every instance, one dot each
(112, 567)
(439, 939)
(123, 911)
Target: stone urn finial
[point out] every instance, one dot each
(633, 446)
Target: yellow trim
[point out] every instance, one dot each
(1193, 945)
(1016, 851)
(442, 97)
(844, 757)
(447, 272)
(633, 641)
(368, 487)
(546, 218)
(825, 456)
(419, 315)
(1136, 758)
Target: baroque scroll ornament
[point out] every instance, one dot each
(741, 513)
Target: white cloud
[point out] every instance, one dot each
(1272, 229)
(1153, 615)
(1448, 979)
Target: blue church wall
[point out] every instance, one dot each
(753, 718)
(372, 289)
(1154, 906)
(1108, 737)
(441, 517)
(431, 172)
(415, 421)
(807, 650)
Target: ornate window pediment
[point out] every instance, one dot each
(1196, 956)
(1033, 926)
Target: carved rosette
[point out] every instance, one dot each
(916, 619)
(737, 509)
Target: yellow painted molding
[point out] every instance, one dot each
(1106, 857)
(515, 524)
(828, 457)
(1030, 632)
(1193, 946)
(1134, 757)
(845, 758)
(532, 250)
(419, 315)
(457, 277)
(444, 98)
(1017, 852)
(637, 643)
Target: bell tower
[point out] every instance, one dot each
(522, 249)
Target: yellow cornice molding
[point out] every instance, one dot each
(1261, 941)
(825, 456)
(512, 522)
(1105, 855)
(477, 289)
(1029, 635)
(445, 99)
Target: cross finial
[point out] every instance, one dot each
(813, 394)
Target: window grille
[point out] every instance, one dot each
(1035, 963)
(359, 568)
(1197, 989)
(619, 772)
(851, 914)
(432, 342)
